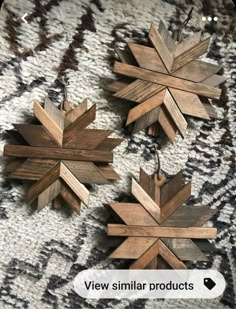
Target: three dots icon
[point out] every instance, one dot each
(209, 18)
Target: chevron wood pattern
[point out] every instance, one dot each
(159, 230)
(168, 84)
(61, 155)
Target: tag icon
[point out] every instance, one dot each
(209, 283)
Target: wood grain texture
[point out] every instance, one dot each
(32, 169)
(154, 129)
(116, 85)
(147, 257)
(171, 188)
(36, 135)
(85, 172)
(88, 139)
(214, 80)
(109, 144)
(147, 57)
(146, 120)
(70, 197)
(108, 172)
(139, 91)
(167, 124)
(197, 71)
(48, 123)
(43, 183)
(77, 112)
(181, 218)
(58, 153)
(189, 55)
(126, 212)
(176, 201)
(145, 107)
(167, 80)
(152, 208)
(185, 249)
(169, 256)
(159, 42)
(53, 112)
(175, 113)
(187, 44)
(189, 103)
(157, 231)
(75, 185)
(79, 124)
(49, 194)
(132, 247)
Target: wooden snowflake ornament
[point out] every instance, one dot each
(168, 82)
(159, 230)
(61, 155)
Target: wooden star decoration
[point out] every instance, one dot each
(168, 82)
(61, 155)
(159, 229)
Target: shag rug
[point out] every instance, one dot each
(41, 253)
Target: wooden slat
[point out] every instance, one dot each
(189, 103)
(187, 216)
(108, 172)
(157, 231)
(77, 112)
(86, 172)
(167, 80)
(49, 194)
(176, 201)
(154, 129)
(187, 44)
(36, 135)
(125, 56)
(88, 139)
(70, 197)
(214, 80)
(175, 113)
(58, 202)
(145, 181)
(13, 165)
(197, 71)
(126, 212)
(184, 249)
(147, 57)
(159, 40)
(79, 124)
(146, 120)
(171, 188)
(51, 109)
(209, 108)
(191, 54)
(148, 203)
(57, 153)
(43, 183)
(167, 124)
(48, 123)
(145, 107)
(169, 256)
(75, 185)
(32, 169)
(139, 91)
(147, 257)
(109, 144)
(133, 247)
(116, 85)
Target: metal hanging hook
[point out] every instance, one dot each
(177, 35)
(158, 163)
(65, 105)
